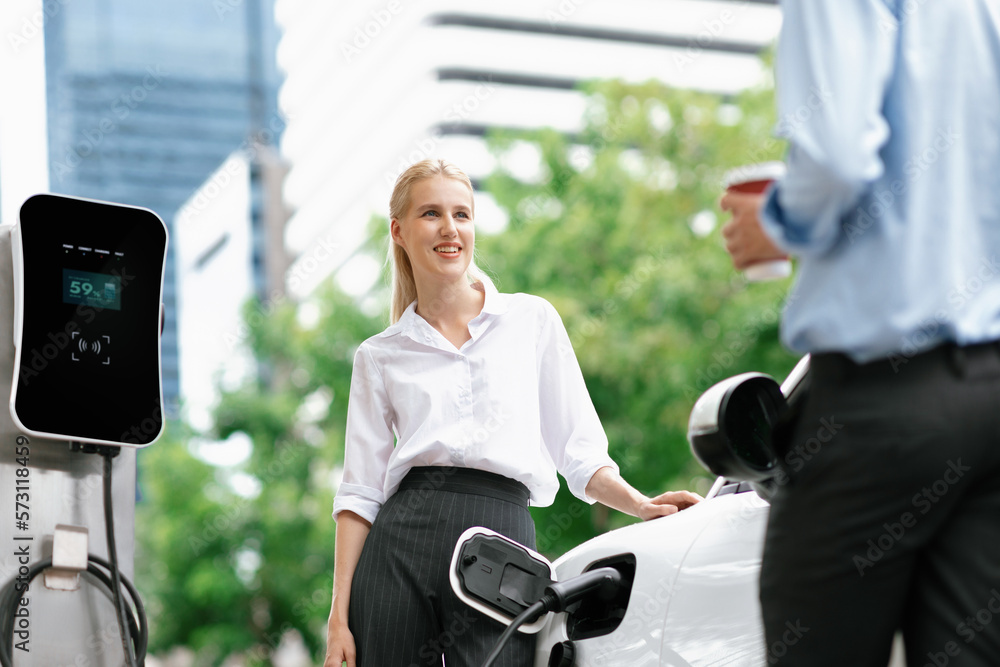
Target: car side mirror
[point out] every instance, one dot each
(731, 424)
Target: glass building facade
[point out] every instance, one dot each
(146, 100)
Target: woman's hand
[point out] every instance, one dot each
(352, 531)
(608, 488)
(667, 503)
(339, 646)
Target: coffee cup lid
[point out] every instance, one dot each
(749, 173)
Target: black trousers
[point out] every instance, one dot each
(403, 611)
(889, 517)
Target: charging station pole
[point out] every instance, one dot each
(63, 628)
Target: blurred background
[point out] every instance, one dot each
(268, 133)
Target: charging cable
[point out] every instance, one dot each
(134, 634)
(603, 582)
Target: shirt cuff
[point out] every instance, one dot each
(364, 501)
(580, 475)
(774, 223)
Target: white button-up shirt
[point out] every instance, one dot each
(511, 401)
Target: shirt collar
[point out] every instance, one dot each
(494, 304)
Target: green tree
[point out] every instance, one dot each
(618, 233)
(187, 529)
(228, 572)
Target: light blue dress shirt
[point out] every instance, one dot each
(892, 197)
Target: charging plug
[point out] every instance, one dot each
(603, 583)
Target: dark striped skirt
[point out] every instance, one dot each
(402, 610)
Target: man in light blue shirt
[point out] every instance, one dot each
(891, 204)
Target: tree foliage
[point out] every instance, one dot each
(617, 232)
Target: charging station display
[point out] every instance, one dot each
(88, 285)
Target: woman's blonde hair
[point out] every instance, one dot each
(404, 288)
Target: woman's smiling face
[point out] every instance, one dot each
(437, 231)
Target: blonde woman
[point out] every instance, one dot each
(460, 414)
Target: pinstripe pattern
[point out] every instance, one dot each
(403, 612)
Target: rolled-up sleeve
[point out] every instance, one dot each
(835, 59)
(368, 441)
(571, 430)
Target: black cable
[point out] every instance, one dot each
(526, 616)
(142, 640)
(116, 584)
(603, 583)
(10, 598)
(135, 636)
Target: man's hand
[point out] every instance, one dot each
(667, 503)
(746, 241)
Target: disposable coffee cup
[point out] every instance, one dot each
(755, 179)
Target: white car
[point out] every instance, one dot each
(684, 590)
(690, 593)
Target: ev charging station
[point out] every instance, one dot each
(80, 318)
